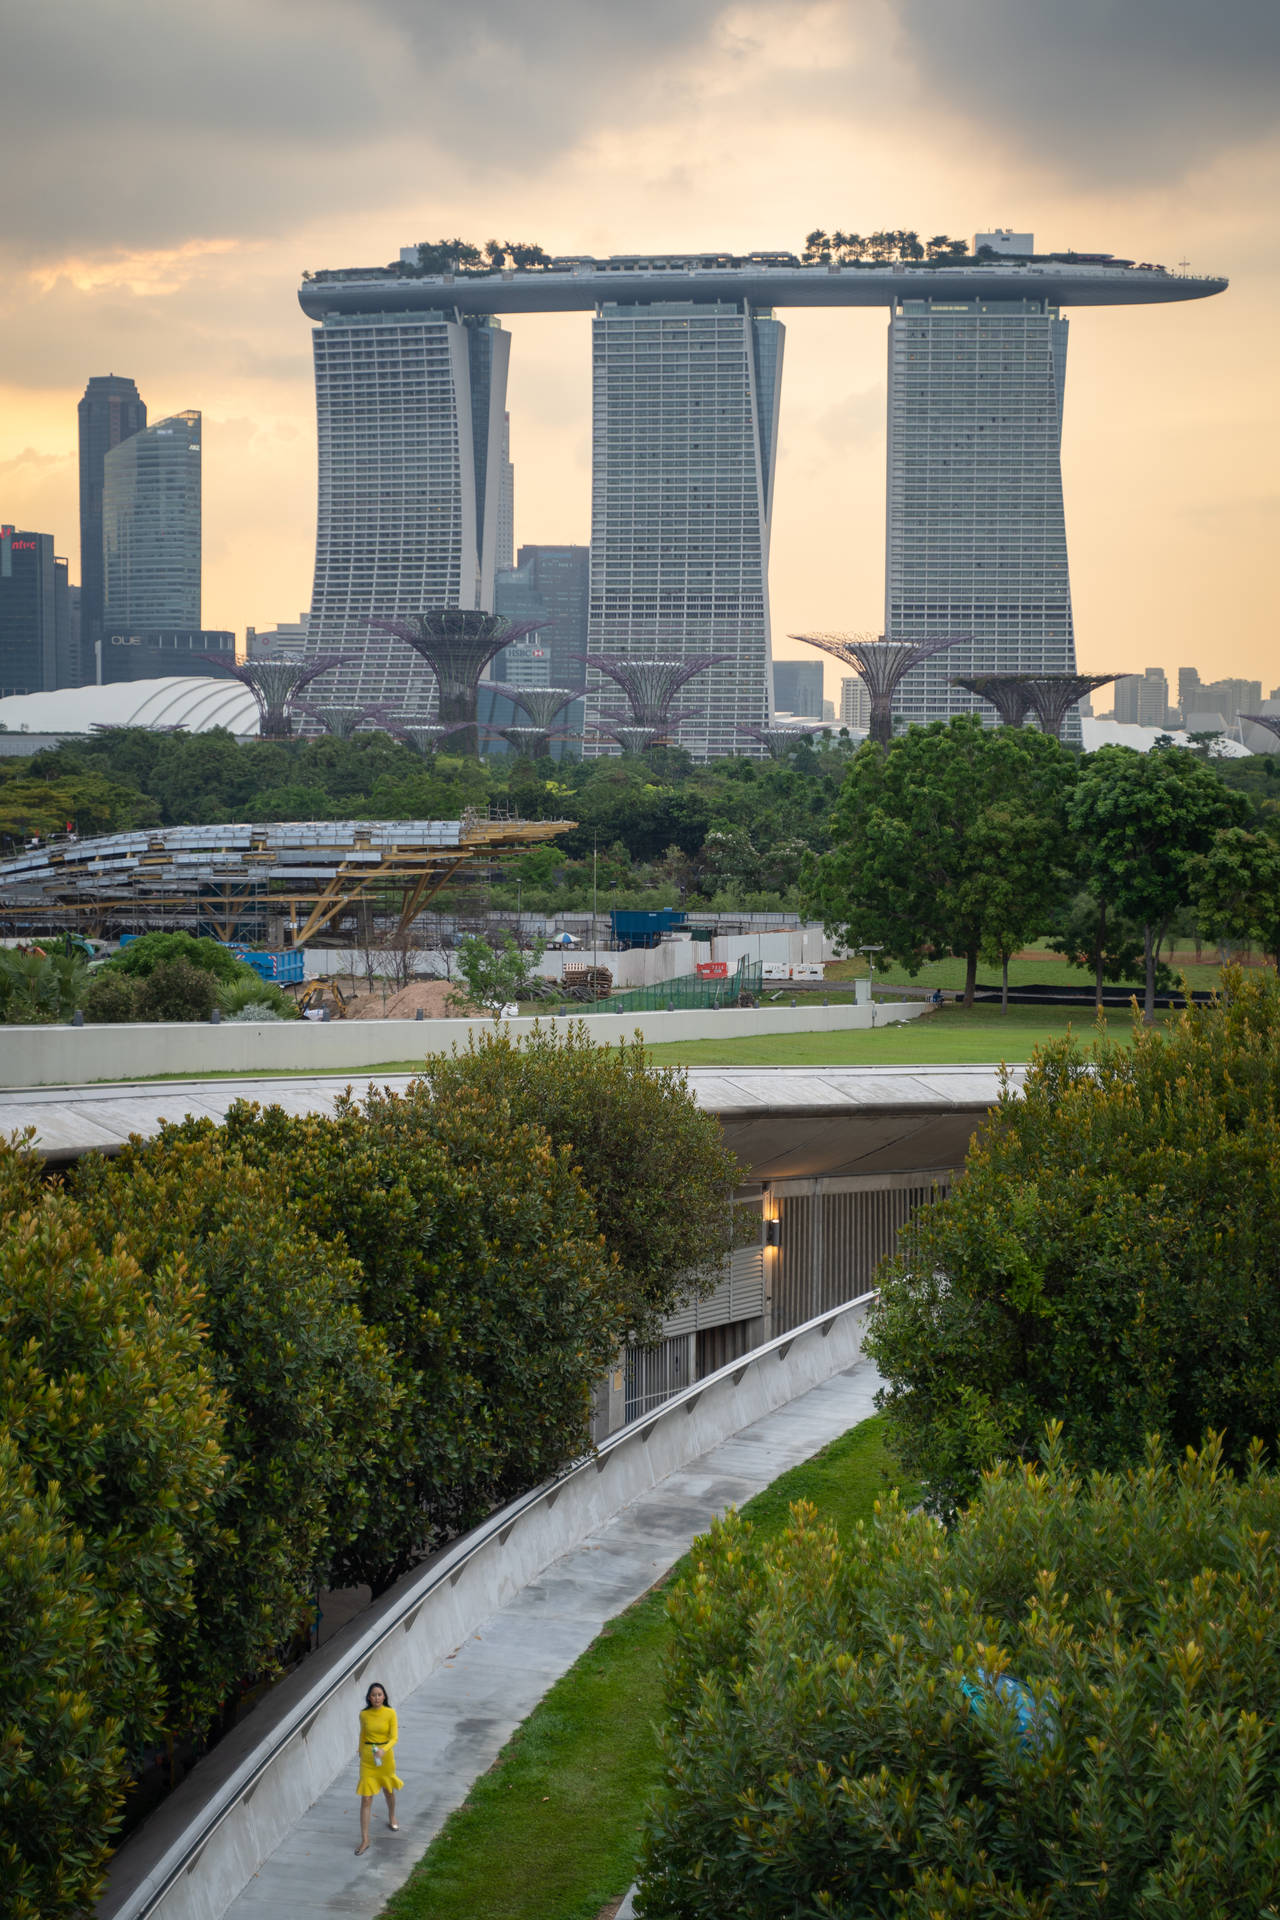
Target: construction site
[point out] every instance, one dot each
(278, 886)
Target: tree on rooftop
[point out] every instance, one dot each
(1062, 1708)
(1108, 1257)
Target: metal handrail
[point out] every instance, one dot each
(145, 1898)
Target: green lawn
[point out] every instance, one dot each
(549, 1833)
(948, 1037)
(1037, 967)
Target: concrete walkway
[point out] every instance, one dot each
(453, 1728)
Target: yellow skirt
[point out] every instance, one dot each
(375, 1779)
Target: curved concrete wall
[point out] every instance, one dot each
(193, 1857)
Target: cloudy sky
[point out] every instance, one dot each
(171, 167)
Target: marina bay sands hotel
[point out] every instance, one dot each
(411, 379)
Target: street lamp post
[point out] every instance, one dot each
(871, 953)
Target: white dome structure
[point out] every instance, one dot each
(195, 701)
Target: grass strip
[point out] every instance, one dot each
(550, 1832)
(951, 1036)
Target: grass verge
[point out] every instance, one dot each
(549, 1833)
(951, 1036)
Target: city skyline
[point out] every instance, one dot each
(184, 275)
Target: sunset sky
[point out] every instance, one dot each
(170, 169)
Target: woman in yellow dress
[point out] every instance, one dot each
(378, 1731)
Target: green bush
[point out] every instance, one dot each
(656, 1166)
(104, 1391)
(240, 995)
(38, 990)
(176, 990)
(109, 999)
(308, 1393)
(482, 1266)
(62, 1764)
(1107, 1258)
(141, 957)
(1062, 1709)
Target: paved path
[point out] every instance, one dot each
(454, 1726)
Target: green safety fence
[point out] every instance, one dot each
(687, 990)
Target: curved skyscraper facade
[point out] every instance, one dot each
(975, 529)
(410, 410)
(684, 442)
(151, 503)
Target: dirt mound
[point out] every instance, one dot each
(431, 995)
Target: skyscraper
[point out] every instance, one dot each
(684, 435)
(29, 605)
(110, 411)
(976, 537)
(549, 585)
(151, 493)
(797, 687)
(409, 412)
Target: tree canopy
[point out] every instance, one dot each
(1107, 1258)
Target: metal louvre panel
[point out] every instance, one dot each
(717, 1346)
(739, 1295)
(834, 1237)
(655, 1373)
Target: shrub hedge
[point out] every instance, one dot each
(1063, 1708)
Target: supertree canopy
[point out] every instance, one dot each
(423, 735)
(882, 664)
(542, 704)
(457, 644)
(340, 722)
(534, 741)
(1006, 692)
(275, 685)
(633, 739)
(650, 685)
(778, 741)
(1051, 696)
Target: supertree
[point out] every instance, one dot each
(340, 722)
(457, 644)
(1051, 696)
(275, 685)
(422, 734)
(1006, 692)
(534, 741)
(542, 704)
(778, 741)
(650, 685)
(882, 664)
(1270, 722)
(633, 739)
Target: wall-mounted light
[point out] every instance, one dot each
(772, 1233)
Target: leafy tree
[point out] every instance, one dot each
(142, 956)
(1103, 944)
(1138, 821)
(1059, 1709)
(924, 832)
(104, 1392)
(494, 977)
(62, 1763)
(659, 1175)
(481, 1264)
(308, 1394)
(85, 803)
(1108, 1257)
(1236, 889)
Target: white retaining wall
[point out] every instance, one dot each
(75, 1056)
(192, 1859)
